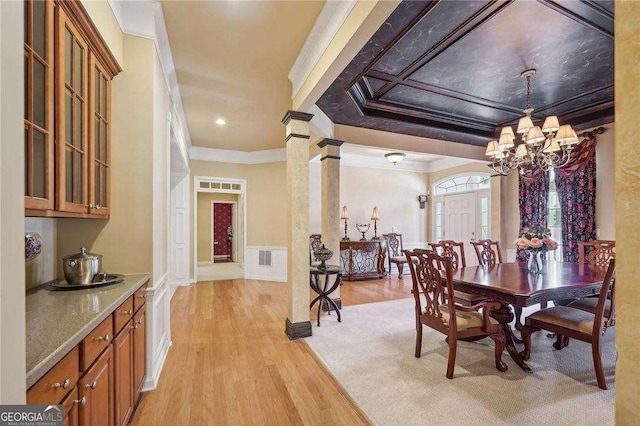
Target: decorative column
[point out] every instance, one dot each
(627, 188)
(297, 137)
(330, 161)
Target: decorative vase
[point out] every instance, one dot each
(32, 245)
(534, 264)
(323, 254)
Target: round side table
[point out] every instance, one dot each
(325, 290)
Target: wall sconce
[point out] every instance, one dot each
(375, 217)
(344, 215)
(423, 200)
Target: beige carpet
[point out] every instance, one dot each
(371, 354)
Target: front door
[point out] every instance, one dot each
(460, 222)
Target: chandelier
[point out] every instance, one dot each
(538, 149)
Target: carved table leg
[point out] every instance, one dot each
(504, 316)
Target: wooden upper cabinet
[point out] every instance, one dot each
(99, 132)
(39, 98)
(72, 111)
(68, 73)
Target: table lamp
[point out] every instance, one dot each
(344, 215)
(375, 217)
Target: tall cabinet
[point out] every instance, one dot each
(68, 73)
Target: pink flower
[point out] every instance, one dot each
(522, 243)
(536, 242)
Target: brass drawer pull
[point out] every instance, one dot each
(63, 385)
(106, 338)
(129, 312)
(82, 401)
(92, 385)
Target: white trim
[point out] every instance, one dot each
(158, 331)
(239, 157)
(320, 125)
(242, 199)
(324, 30)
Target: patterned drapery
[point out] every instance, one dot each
(533, 202)
(576, 186)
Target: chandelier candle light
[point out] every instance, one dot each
(539, 149)
(375, 217)
(344, 215)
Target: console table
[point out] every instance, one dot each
(362, 260)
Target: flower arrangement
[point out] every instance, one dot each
(537, 239)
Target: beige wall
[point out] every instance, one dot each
(126, 239)
(204, 222)
(106, 23)
(12, 300)
(394, 192)
(605, 184)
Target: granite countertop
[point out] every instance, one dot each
(57, 320)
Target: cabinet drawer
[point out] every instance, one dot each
(139, 298)
(96, 342)
(54, 385)
(122, 315)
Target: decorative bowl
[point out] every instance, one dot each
(32, 245)
(323, 254)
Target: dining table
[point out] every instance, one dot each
(512, 285)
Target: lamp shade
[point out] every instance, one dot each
(375, 215)
(565, 134)
(551, 124)
(553, 146)
(492, 149)
(524, 124)
(535, 135)
(506, 139)
(344, 214)
(395, 157)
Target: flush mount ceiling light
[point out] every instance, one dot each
(539, 149)
(395, 157)
(221, 122)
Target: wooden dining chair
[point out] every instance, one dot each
(451, 319)
(597, 254)
(567, 322)
(455, 251)
(488, 252)
(395, 252)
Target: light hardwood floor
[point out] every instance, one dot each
(231, 363)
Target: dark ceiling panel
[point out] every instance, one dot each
(438, 22)
(487, 62)
(455, 107)
(462, 86)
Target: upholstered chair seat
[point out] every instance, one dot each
(465, 320)
(566, 317)
(590, 304)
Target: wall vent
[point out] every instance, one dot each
(264, 257)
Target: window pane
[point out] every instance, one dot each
(103, 141)
(96, 138)
(438, 208)
(39, 164)
(215, 185)
(68, 60)
(103, 193)
(236, 186)
(68, 118)
(204, 184)
(103, 95)
(78, 63)
(27, 177)
(39, 28)
(26, 87)
(79, 179)
(484, 204)
(78, 124)
(96, 90)
(27, 25)
(484, 218)
(96, 185)
(39, 98)
(68, 184)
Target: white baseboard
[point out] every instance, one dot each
(151, 382)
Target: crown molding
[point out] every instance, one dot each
(199, 153)
(324, 30)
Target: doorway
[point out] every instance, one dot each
(461, 211)
(223, 231)
(219, 256)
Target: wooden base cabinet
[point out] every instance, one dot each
(71, 408)
(97, 389)
(123, 354)
(139, 352)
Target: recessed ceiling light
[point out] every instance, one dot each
(220, 122)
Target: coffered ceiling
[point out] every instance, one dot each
(450, 70)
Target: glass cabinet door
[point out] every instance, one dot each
(38, 112)
(99, 111)
(72, 161)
